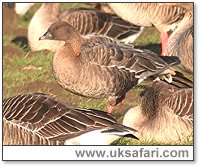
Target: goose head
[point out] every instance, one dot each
(61, 31)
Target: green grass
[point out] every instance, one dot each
(74, 5)
(23, 21)
(39, 60)
(98, 104)
(7, 38)
(20, 70)
(129, 141)
(148, 36)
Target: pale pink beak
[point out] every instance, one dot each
(46, 36)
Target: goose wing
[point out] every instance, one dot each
(181, 103)
(53, 119)
(88, 21)
(109, 54)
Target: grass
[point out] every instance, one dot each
(7, 38)
(75, 5)
(24, 21)
(128, 141)
(26, 72)
(99, 105)
(149, 36)
(20, 70)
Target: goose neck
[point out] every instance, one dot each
(74, 45)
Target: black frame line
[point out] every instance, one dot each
(105, 145)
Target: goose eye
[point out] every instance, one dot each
(56, 28)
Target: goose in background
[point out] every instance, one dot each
(22, 8)
(99, 67)
(164, 18)
(38, 119)
(165, 114)
(86, 21)
(181, 41)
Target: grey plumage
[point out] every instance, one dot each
(38, 119)
(165, 114)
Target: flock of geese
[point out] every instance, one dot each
(94, 58)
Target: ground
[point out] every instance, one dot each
(27, 72)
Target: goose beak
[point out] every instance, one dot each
(46, 36)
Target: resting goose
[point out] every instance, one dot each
(181, 41)
(165, 114)
(86, 21)
(164, 18)
(38, 119)
(98, 67)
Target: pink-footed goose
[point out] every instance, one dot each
(181, 41)
(165, 114)
(86, 21)
(97, 66)
(38, 119)
(164, 18)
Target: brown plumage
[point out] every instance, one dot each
(181, 41)
(86, 21)
(38, 119)
(164, 18)
(165, 114)
(99, 67)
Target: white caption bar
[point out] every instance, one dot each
(97, 153)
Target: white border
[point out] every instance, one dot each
(111, 152)
(140, 164)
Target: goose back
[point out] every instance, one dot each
(164, 18)
(181, 42)
(37, 119)
(165, 114)
(88, 21)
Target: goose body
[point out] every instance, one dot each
(181, 41)
(164, 18)
(165, 114)
(38, 119)
(99, 67)
(86, 21)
